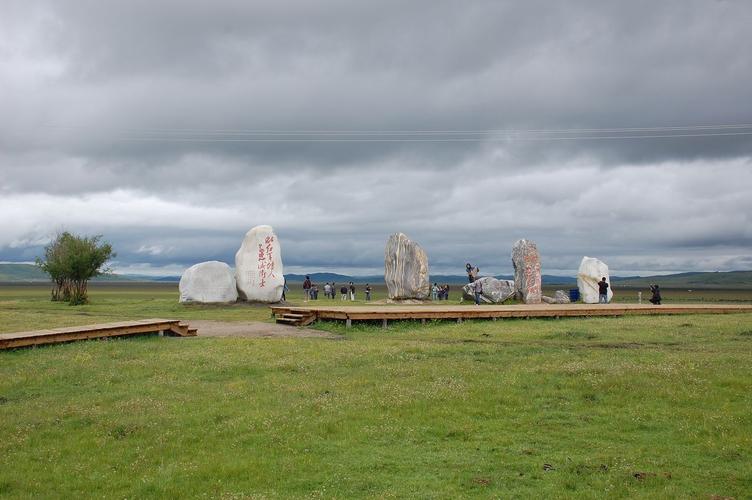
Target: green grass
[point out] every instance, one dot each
(515, 408)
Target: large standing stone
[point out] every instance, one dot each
(405, 269)
(591, 272)
(208, 282)
(258, 266)
(527, 271)
(495, 291)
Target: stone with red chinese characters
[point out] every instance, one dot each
(590, 273)
(405, 269)
(258, 266)
(208, 283)
(527, 271)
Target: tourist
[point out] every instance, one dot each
(315, 292)
(327, 289)
(478, 289)
(334, 289)
(284, 289)
(656, 298)
(435, 292)
(343, 291)
(446, 291)
(602, 291)
(469, 270)
(352, 291)
(368, 292)
(307, 289)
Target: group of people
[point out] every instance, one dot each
(311, 290)
(347, 292)
(440, 292)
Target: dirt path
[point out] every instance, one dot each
(253, 329)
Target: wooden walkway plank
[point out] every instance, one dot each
(459, 312)
(103, 330)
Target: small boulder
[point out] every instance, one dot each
(560, 297)
(258, 266)
(405, 269)
(208, 283)
(495, 291)
(591, 272)
(527, 271)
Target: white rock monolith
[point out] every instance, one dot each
(208, 283)
(258, 266)
(405, 269)
(527, 271)
(591, 272)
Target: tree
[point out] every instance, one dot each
(71, 261)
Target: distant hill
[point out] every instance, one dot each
(731, 279)
(31, 273)
(21, 272)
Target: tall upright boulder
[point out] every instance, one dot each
(590, 273)
(405, 269)
(258, 266)
(527, 271)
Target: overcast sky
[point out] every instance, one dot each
(173, 127)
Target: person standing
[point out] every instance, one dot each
(446, 291)
(306, 289)
(368, 292)
(435, 292)
(656, 297)
(327, 289)
(469, 270)
(352, 291)
(334, 289)
(343, 292)
(603, 291)
(284, 289)
(478, 289)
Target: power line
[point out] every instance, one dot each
(428, 139)
(195, 135)
(152, 130)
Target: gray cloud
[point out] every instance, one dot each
(133, 119)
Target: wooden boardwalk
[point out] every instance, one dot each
(303, 315)
(172, 327)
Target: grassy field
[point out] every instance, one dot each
(603, 407)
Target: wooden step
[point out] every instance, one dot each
(293, 315)
(288, 321)
(311, 318)
(296, 319)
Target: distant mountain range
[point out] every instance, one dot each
(18, 273)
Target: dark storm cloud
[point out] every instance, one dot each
(135, 119)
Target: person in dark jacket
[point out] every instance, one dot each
(603, 291)
(368, 292)
(656, 297)
(343, 292)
